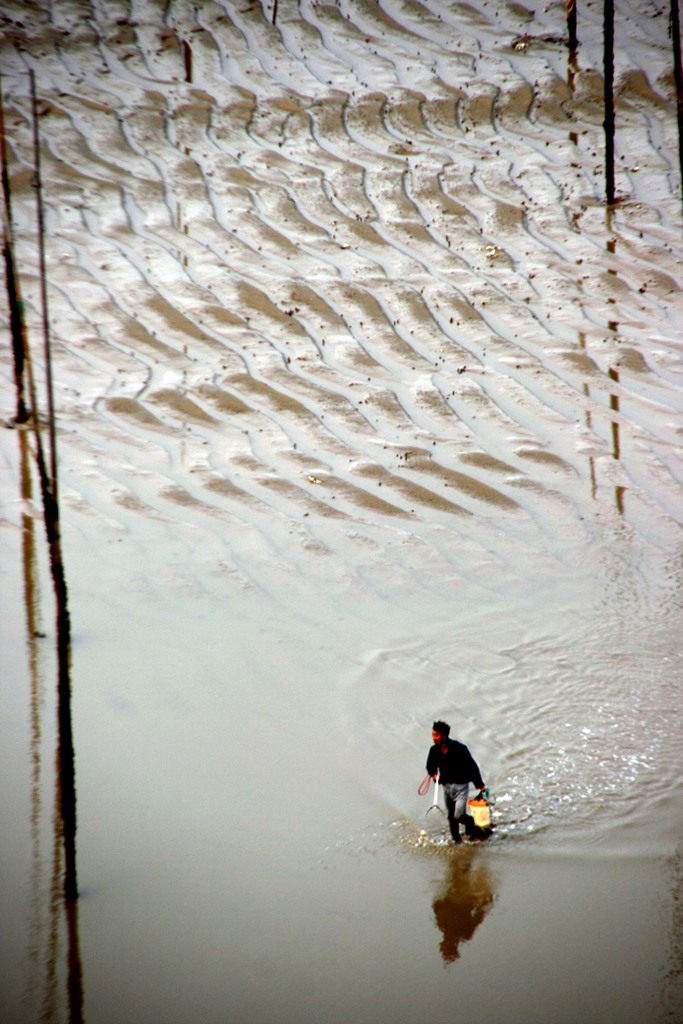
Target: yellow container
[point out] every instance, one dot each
(481, 813)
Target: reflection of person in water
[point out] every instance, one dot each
(466, 899)
(456, 768)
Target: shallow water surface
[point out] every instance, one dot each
(369, 413)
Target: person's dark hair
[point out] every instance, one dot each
(441, 727)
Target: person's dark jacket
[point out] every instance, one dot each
(456, 765)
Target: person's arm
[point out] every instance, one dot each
(475, 774)
(432, 762)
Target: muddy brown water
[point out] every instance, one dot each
(369, 412)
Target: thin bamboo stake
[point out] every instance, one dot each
(187, 53)
(571, 24)
(66, 759)
(43, 295)
(16, 319)
(678, 77)
(609, 99)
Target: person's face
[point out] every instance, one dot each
(436, 737)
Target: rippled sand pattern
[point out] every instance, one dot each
(369, 411)
(356, 266)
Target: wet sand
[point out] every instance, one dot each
(369, 412)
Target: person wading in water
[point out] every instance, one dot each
(456, 768)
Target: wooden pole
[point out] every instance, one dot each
(187, 53)
(571, 24)
(609, 99)
(678, 77)
(16, 319)
(43, 295)
(67, 771)
(67, 777)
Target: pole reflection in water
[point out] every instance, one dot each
(616, 450)
(36, 701)
(53, 931)
(63, 930)
(464, 901)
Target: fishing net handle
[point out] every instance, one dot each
(423, 788)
